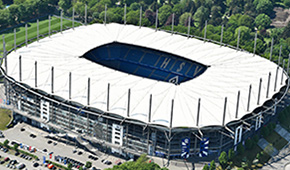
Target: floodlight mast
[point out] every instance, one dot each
(238, 102)
(35, 69)
(20, 69)
(249, 98)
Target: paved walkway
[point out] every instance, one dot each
(267, 147)
(282, 132)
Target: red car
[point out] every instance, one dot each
(7, 159)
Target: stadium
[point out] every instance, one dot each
(131, 90)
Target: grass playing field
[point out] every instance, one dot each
(32, 31)
(5, 117)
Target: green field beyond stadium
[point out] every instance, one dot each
(32, 31)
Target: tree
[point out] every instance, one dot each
(223, 159)
(263, 21)
(88, 164)
(205, 167)
(64, 4)
(212, 165)
(6, 142)
(69, 166)
(183, 18)
(216, 15)
(241, 148)
(177, 10)
(15, 147)
(164, 12)
(133, 17)
(286, 32)
(201, 15)
(231, 154)
(247, 21)
(244, 33)
(287, 3)
(264, 6)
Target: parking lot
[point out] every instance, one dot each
(61, 153)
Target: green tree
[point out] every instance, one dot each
(247, 21)
(240, 148)
(69, 166)
(205, 167)
(15, 147)
(133, 17)
(177, 10)
(263, 21)
(212, 165)
(216, 15)
(88, 164)
(164, 12)
(231, 154)
(249, 144)
(200, 16)
(244, 33)
(64, 4)
(6, 143)
(264, 6)
(287, 3)
(183, 19)
(223, 159)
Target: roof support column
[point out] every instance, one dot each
(238, 41)
(61, 13)
(140, 19)
(105, 19)
(238, 102)
(280, 53)
(73, 18)
(205, 27)
(108, 97)
(170, 129)
(86, 14)
(271, 51)
(125, 13)
(128, 106)
(20, 69)
(288, 64)
(49, 23)
(150, 107)
(156, 20)
(259, 92)
(89, 88)
(276, 77)
(14, 39)
(188, 27)
(26, 41)
(37, 30)
(222, 34)
(268, 87)
(225, 109)
(198, 111)
(282, 72)
(52, 79)
(172, 24)
(249, 98)
(35, 69)
(69, 90)
(4, 54)
(255, 44)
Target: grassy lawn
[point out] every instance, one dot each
(32, 31)
(5, 117)
(277, 141)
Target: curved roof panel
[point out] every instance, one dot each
(230, 71)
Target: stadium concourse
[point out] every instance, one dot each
(134, 90)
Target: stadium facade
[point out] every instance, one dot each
(134, 90)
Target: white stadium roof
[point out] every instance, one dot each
(230, 71)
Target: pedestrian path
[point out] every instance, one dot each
(267, 147)
(283, 132)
